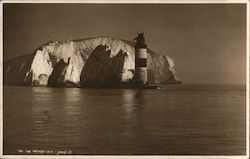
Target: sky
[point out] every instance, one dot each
(206, 41)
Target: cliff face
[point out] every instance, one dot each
(75, 63)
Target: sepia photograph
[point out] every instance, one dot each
(124, 79)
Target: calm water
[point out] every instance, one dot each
(173, 120)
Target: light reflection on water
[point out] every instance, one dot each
(132, 105)
(174, 120)
(131, 101)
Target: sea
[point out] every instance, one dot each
(172, 120)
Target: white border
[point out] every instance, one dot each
(131, 156)
(123, 157)
(128, 1)
(247, 79)
(1, 80)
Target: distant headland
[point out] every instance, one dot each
(92, 62)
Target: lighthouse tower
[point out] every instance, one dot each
(140, 60)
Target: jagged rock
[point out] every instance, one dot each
(72, 63)
(101, 69)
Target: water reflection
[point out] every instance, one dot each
(72, 114)
(132, 104)
(42, 113)
(132, 100)
(124, 121)
(55, 114)
(41, 110)
(72, 97)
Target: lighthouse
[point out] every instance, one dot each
(141, 75)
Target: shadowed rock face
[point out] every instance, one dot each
(15, 70)
(158, 63)
(56, 77)
(95, 60)
(101, 69)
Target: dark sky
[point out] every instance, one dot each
(206, 41)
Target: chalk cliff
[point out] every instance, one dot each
(74, 63)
